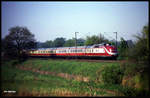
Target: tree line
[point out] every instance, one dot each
(20, 38)
(62, 42)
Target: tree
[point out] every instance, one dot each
(59, 42)
(95, 40)
(140, 51)
(123, 44)
(80, 42)
(122, 47)
(70, 43)
(47, 44)
(92, 40)
(18, 39)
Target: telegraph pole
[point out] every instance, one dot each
(116, 39)
(76, 42)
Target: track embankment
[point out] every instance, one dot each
(63, 75)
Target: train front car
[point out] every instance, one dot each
(111, 51)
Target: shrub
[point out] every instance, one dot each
(112, 74)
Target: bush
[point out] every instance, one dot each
(112, 74)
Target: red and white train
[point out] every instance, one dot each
(97, 50)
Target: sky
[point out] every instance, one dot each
(49, 20)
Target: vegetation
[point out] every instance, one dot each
(105, 79)
(112, 74)
(136, 68)
(95, 40)
(141, 49)
(70, 43)
(19, 38)
(70, 67)
(123, 49)
(59, 42)
(29, 83)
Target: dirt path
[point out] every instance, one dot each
(63, 75)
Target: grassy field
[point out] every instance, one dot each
(30, 83)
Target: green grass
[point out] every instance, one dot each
(35, 84)
(87, 69)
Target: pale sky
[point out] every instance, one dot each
(49, 20)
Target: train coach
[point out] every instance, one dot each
(97, 50)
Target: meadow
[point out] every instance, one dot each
(27, 79)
